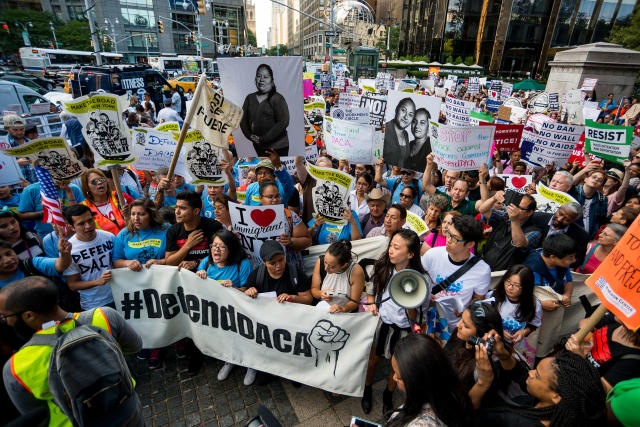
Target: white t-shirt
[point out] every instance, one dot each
(392, 313)
(90, 260)
(437, 263)
(509, 314)
(168, 114)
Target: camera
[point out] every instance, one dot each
(488, 344)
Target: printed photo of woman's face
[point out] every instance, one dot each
(405, 112)
(420, 124)
(264, 80)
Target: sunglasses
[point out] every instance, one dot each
(5, 316)
(97, 181)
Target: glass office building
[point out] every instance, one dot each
(506, 36)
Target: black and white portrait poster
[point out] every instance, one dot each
(406, 136)
(269, 89)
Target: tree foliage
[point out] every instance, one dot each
(251, 38)
(70, 35)
(628, 35)
(280, 50)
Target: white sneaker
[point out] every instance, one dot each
(250, 376)
(224, 372)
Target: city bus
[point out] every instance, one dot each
(182, 63)
(45, 61)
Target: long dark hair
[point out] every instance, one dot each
(527, 304)
(270, 71)
(155, 221)
(236, 253)
(422, 364)
(383, 268)
(23, 230)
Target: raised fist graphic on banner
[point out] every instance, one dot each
(327, 340)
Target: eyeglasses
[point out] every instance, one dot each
(97, 181)
(448, 235)
(510, 284)
(406, 196)
(5, 316)
(220, 248)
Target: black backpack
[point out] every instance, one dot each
(261, 275)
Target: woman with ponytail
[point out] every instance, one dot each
(337, 280)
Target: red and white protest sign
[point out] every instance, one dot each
(506, 137)
(589, 84)
(578, 154)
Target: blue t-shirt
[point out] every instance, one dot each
(252, 196)
(207, 206)
(236, 168)
(237, 275)
(143, 245)
(330, 233)
(31, 201)
(11, 203)
(47, 266)
(395, 198)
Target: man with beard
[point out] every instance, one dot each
(31, 304)
(420, 147)
(396, 139)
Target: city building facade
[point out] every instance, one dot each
(131, 26)
(508, 37)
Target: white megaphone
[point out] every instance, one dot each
(409, 289)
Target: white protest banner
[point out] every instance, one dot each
(518, 115)
(608, 141)
(349, 100)
(553, 144)
(353, 114)
(202, 159)
(517, 183)
(461, 148)
(216, 117)
(457, 111)
(52, 154)
(104, 130)
(549, 200)
(507, 88)
(589, 84)
(591, 114)
(154, 149)
(415, 223)
(9, 170)
(295, 341)
(256, 224)
(351, 141)
(368, 85)
(331, 193)
(474, 85)
(573, 106)
(377, 107)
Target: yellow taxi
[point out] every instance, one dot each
(185, 82)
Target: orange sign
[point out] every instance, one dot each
(617, 280)
(434, 71)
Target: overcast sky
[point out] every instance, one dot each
(263, 20)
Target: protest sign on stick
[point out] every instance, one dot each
(608, 141)
(256, 224)
(215, 117)
(52, 154)
(331, 193)
(616, 280)
(154, 149)
(351, 141)
(553, 144)
(461, 148)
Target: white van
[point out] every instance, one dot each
(30, 105)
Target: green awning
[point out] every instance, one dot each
(528, 84)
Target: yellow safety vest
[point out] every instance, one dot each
(30, 366)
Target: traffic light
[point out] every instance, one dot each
(161, 27)
(202, 9)
(93, 46)
(186, 39)
(105, 40)
(5, 27)
(150, 39)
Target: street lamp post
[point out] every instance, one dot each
(185, 6)
(94, 36)
(111, 26)
(53, 30)
(25, 29)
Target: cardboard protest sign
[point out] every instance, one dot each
(331, 193)
(517, 183)
(549, 200)
(256, 224)
(294, 341)
(351, 141)
(415, 223)
(216, 117)
(589, 84)
(475, 118)
(377, 107)
(277, 80)
(457, 111)
(9, 170)
(474, 85)
(154, 149)
(406, 136)
(573, 106)
(104, 130)
(349, 100)
(608, 141)
(554, 103)
(52, 154)
(201, 159)
(504, 113)
(352, 114)
(506, 137)
(553, 144)
(307, 88)
(616, 279)
(461, 148)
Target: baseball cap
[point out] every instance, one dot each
(265, 164)
(378, 194)
(615, 174)
(269, 249)
(12, 120)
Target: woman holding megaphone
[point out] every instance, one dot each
(395, 321)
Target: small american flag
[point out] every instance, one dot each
(51, 207)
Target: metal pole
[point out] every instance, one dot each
(146, 46)
(113, 31)
(200, 43)
(331, 40)
(94, 37)
(53, 30)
